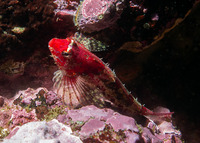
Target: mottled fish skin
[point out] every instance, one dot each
(90, 43)
(84, 79)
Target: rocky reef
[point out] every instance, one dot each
(42, 112)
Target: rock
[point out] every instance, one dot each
(5, 116)
(85, 113)
(20, 117)
(93, 124)
(120, 122)
(95, 15)
(45, 132)
(25, 97)
(148, 137)
(89, 123)
(131, 137)
(91, 127)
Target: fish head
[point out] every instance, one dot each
(61, 51)
(74, 58)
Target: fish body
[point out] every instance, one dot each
(84, 79)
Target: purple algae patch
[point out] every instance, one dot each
(91, 127)
(85, 113)
(121, 122)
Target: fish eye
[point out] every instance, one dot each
(65, 53)
(74, 44)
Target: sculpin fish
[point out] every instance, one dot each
(84, 79)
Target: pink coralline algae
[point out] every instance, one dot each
(53, 99)
(93, 124)
(89, 111)
(5, 116)
(25, 97)
(33, 98)
(89, 123)
(20, 117)
(91, 127)
(95, 15)
(127, 124)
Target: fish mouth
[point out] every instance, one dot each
(51, 49)
(50, 45)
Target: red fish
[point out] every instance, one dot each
(84, 79)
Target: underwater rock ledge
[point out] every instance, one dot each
(90, 124)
